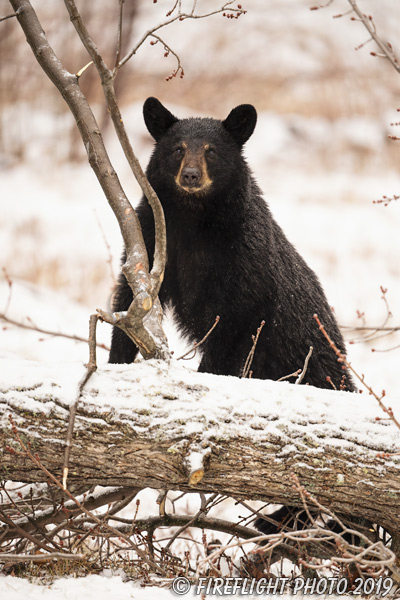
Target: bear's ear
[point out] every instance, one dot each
(157, 118)
(241, 122)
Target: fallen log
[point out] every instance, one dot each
(159, 425)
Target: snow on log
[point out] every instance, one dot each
(159, 425)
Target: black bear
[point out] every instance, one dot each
(227, 256)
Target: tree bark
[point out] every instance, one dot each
(167, 427)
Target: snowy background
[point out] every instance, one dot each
(320, 152)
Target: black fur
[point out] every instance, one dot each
(227, 256)
(290, 518)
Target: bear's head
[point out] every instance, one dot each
(197, 156)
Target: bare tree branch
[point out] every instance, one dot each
(34, 327)
(54, 516)
(149, 337)
(20, 558)
(246, 369)
(91, 368)
(192, 351)
(107, 79)
(341, 357)
(386, 48)
(8, 16)
(226, 8)
(37, 462)
(119, 37)
(304, 371)
(368, 22)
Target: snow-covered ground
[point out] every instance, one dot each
(320, 173)
(58, 232)
(93, 587)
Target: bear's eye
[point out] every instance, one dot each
(178, 152)
(211, 153)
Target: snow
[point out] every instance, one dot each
(215, 406)
(91, 587)
(111, 587)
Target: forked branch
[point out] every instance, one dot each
(107, 77)
(148, 337)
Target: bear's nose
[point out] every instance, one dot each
(190, 176)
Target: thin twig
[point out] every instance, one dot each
(327, 3)
(167, 51)
(370, 328)
(378, 332)
(385, 349)
(54, 516)
(35, 459)
(83, 69)
(177, 3)
(342, 359)
(18, 558)
(294, 374)
(201, 511)
(10, 290)
(26, 534)
(250, 356)
(302, 374)
(353, 553)
(385, 200)
(33, 327)
(119, 35)
(15, 14)
(180, 16)
(197, 344)
(90, 369)
(367, 21)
